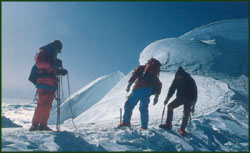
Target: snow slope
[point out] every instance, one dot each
(217, 49)
(83, 99)
(211, 94)
(216, 55)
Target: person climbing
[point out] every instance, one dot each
(48, 67)
(147, 83)
(186, 95)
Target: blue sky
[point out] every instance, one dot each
(98, 37)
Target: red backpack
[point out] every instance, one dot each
(151, 70)
(153, 67)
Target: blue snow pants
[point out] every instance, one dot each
(143, 95)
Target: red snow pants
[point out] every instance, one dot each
(45, 99)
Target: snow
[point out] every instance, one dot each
(211, 95)
(20, 111)
(216, 49)
(83, 99)
(216, 55)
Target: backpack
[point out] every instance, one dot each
(34, 74)
(151, 70)
(152, 66)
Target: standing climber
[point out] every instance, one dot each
(186, 95)
(147, 83)
(48, 66)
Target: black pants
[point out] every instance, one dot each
(186, 111)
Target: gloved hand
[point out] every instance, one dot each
(63, 72)
(166, 101)
(128, 87)
(156, 99)
(58, 63)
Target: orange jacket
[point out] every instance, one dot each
(44, 61)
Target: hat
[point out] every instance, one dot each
(57, 45)
(180, 71)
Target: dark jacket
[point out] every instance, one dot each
(186, 88)
(141, 83)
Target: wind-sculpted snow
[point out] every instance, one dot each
(215, 50)
(85, 97)
(218, 131)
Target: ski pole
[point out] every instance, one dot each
(163, 113)
(61, 89)
(192, 110)
(120, 116)
(72, 116)
(58, 106)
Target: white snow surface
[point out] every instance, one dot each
(211, 94)
(220, 122)
(217, 49)
(84, 98)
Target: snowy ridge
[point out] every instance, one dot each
(220, 28)
(216, 50)
(104, 106)
(217, 61)
(211, 94)
(83, 99)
